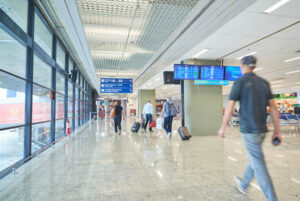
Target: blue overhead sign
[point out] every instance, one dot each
(211, 82)
(116, 85)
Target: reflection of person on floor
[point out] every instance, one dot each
(118, 116)
(254, 95)
(168, 116)
(148, 112)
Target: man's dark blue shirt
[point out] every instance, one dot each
(253, 93)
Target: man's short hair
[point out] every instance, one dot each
(249, 61)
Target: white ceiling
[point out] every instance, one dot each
(142, 38)
(275, 37)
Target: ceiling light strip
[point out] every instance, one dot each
(276, 6)
(276, 81)
(296, 71)
(201, 52)
(293, 59)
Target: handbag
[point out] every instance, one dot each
(152, 124)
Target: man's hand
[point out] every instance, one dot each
(226, 118)
(278, 135)
(275, 119)
(221, 132)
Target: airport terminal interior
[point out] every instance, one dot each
(123, 100)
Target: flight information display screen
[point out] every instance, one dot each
(212, 72)
(186, 72)
(232, 73)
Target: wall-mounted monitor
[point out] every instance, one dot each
(232, 73)
(186, 72)
(169, 78)
(209, 72)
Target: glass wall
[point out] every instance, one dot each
(42, 34)
(40, 69)
(41, 104)
(12, 47)
(41, 136)
(60, 55)
(50, 100)
(60, 83)
(17, 11)
(11, 146)
(12, 100)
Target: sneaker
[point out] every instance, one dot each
(120, 132)
(169, 135)
(238, 185)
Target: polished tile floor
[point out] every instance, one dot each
(94, 164)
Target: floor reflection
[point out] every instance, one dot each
(96, 164)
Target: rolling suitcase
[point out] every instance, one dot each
(135, 127)
(184, 133)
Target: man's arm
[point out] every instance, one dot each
(275, 119)
(123, 113)
(162, 112)
(144, 110)
(226, 118)
(152, 111)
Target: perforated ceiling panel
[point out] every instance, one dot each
(123, 35)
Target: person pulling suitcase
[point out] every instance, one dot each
(148, 113)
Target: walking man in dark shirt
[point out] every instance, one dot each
(254, 95)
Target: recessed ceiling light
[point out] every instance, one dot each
(257, 69)
(276, 86)
(252, 53)
(276, 6)
(296, 71)
(293, 59)
(276, 81)
(201, 52)
(157, 79)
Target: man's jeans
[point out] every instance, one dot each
(257, 167)
(148, 120)
(168, 124)
(117, 119)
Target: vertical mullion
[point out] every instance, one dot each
(73, 105)
(53, 89)
(29, 81)
(78, 89)
(66, 93)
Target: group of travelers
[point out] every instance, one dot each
(255, 96)
(168, 113)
